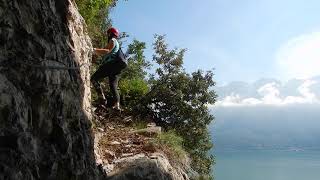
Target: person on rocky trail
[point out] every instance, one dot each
(110, 67)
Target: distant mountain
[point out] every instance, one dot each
(268, 126)
(250, 90)
(316, 88)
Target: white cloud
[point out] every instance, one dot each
(306, 95)
(300, 56)
(270, 93)
(271, 96)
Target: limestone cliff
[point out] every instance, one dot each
(45, 108)
(45, 99)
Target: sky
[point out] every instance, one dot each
(241, 40)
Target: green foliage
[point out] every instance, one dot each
(137, 63)
(171, 140)
(92, 10)
(139, 124)
(178, 101)
(132, 90)
(133, 85)
(95, 13)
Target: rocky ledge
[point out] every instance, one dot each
(125, 153)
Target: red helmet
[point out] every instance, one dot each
(113, 31)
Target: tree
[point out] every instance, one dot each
(133, 85)
(137, 63)
(178, 100)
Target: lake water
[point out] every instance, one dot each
(267, 165)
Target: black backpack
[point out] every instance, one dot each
(121, 57)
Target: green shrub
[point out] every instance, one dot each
(171, 140)
(96, 15)
(139, 124)
(132, 90)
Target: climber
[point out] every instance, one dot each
(110, 67)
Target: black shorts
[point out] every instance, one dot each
(111, 68)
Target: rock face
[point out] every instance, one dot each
(45, 130)
(141, 167)
(44, 106)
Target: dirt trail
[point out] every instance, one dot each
(116, 138)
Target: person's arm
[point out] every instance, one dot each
(105, 50)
